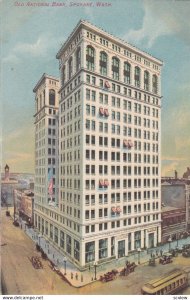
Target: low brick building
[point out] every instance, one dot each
(173, 223)
(24, 205)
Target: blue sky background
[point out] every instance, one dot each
(31, 37)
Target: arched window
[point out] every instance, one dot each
(70, 67)
(127, 73)
(90, 57)
(103, 63)
(78, 59)
(146, 81)
(115, 68)
(137, 76)
(52, 97)
(63, 75)
(155, 84)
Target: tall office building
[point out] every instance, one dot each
(109, 148)
(46, 150)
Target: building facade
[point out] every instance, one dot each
(176, 193)
(109, 201)
(46, 150)
(173, 223)
(24, 205)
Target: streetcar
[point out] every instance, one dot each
(169, 284)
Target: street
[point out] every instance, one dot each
(20, 277)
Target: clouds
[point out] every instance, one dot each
(44, 46)
(162, 18)
(18, 149)
(34, 49)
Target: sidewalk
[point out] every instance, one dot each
(78, 278)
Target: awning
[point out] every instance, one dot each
(106, 113)
(107, 85)
(118, 209)
(125, 143)
(106, 182)
(101, 111)
(130, 144)
(101, 183)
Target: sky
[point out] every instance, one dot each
(32, 35)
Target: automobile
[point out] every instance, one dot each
(16, 223)
(186, 253)
(179, 249)
(166, 259)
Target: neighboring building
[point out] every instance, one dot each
(187, 193)
(173, 223)
(46, 143)
(186, 175)
(176, 193)
(24, 205)
(173, 194)
(8, 183)
(109, 201)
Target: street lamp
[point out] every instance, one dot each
(95, 266)
(177, 238)
(65, 264)
(39, 237)
(139, 252)
(169, 241)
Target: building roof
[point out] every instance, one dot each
(169, 208)
(165, 183)
(44, 76)
(131, 47)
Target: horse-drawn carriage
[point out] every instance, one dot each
(36, 262)
(109, 276)
(130, 267)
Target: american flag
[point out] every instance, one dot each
(50, 182)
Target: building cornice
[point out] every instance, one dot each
(44, 76)
(95, 29)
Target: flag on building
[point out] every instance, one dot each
(50, 181)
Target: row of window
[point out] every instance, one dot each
(150, 82)
(116, 88)
(127, 105)
(115, 184)
(117, 224)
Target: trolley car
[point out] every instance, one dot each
(169, 284)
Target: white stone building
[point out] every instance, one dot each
(109, 201)
(46, 150)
